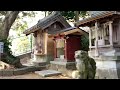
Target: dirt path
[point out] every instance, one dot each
(33, 76)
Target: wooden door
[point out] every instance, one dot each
(73, 44)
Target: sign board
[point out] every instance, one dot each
(1, 47)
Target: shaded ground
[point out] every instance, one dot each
(34, 76)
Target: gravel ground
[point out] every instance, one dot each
(34, 76)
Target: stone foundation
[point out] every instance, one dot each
(108, 69)
(43, 58)
(65, 67)
(108, 63)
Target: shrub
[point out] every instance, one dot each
(85, 43)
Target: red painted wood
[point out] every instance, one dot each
(73, 44)
(59, 36)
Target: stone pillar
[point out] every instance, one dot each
(96, 40)
(90, 39)
(103, 34)
(110, 33)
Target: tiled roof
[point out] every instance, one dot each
(46, 22)
(97, 15)
(68, 29)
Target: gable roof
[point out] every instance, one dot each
(69, 31)
(47, 21)
(96, 16)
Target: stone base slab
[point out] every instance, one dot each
(46, 73)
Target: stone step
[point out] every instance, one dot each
(37, 63)
(47, 73)
(27, 64)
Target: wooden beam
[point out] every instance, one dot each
(76, 33)
(72, 31)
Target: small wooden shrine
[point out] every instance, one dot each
(44, 46)
(104, 41)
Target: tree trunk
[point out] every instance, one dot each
(7, 23)
(76, 16)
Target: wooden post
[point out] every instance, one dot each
(96, 40)
(31, 42)
(110, 33)
(65, 48)
(55, 53)
(46, 36)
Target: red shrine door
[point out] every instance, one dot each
(72, 45)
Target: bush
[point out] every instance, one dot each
(85, 43)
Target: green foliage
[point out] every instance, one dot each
(21, 45)
(7, 55)
(68, 14)
(71, 14)
(85, 43)
(83, 13)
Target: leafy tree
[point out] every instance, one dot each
(70, 15)
(8, 18)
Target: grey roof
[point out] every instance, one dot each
(67, 29)
(47, 21)
(96, 15)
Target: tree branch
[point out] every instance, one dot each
(7, 23)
